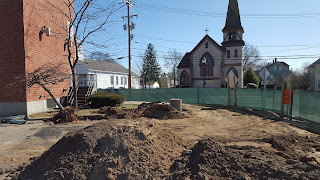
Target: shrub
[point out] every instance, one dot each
(101, 99)
(251, 77)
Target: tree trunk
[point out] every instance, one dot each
(75, 88)
(174, 77)
(53, 97)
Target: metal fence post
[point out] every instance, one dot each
(198, 98)
(262, 99)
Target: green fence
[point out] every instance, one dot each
(305, 105)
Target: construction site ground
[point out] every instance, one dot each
(240, 133)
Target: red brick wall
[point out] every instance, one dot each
(50, 49)
(12, 62)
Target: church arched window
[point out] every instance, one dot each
(233, 70)
(184, 78)
(206, 69)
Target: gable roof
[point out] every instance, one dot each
(272, 64)
(221, 48)
(233, 21)
(315, 63)
(185, 62)
(103, 66)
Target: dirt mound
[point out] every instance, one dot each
(162, 111)
(150, 110)
(112, 112)
(210, 160)
(109, 150)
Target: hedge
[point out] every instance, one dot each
(101, 99)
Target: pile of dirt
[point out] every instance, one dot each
(138, 149)
(162, 111)
(208, 159)
(116, 113)
(151, 110)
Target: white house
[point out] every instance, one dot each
(314, 71)
(208, 64)
(104, 75)
(150, 85)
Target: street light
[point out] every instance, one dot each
(204, 61)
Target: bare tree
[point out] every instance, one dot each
(85, 17)
(251, 57)
(101, 56)
(301, 78)
(44, 76)
(172, 60)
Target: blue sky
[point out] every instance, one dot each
(285, 29)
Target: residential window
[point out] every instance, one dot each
(280, 68)
(275, 68)
(125, 80)
(111, 79)
(228, 53)
(271, 76)
(117, 80)
(236, 53)
(121, 80)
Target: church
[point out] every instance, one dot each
(209, 63)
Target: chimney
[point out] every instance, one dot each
(275, 60)
(272, 61)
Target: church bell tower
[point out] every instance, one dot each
(233, 42)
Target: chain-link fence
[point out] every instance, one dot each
(305, 104)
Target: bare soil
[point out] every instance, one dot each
(207, 142)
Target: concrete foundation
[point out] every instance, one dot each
(13, 108)
(34, 107)
(24, 108)
(176, 103)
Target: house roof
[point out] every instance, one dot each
(103, 66)
(185, 62)
(233, 21)
(270, 65)
(315, 63)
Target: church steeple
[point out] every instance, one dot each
(233, 22)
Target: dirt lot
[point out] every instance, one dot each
(209, 142)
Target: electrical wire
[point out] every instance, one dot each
(219, 14)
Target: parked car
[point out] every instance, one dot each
(252, 85)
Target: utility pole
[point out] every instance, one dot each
(130, 27)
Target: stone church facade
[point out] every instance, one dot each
(209, 63)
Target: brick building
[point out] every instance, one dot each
(21, 51)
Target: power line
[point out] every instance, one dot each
(292, 50)
(160, 39)
(219, 14)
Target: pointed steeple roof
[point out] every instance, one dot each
(233, 21)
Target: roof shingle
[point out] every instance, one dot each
(103, 66)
